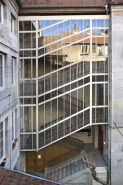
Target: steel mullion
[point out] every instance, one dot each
(37, 145)
(91, 72)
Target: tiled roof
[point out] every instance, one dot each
(8, 177)
(74, 38)
(67, 2)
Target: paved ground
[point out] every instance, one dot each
(94, 155)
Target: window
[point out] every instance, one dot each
(12, 24)
(85, 49)
(1, 13)
(1, 140)
(1, 71)
(13, 71)
(102, 50)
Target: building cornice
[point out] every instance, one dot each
(15, 6)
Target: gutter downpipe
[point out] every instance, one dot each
(106, 6)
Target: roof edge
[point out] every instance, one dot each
(19, 3)
(67, 6)
(40, 178)
(115, 3)
(62, 6)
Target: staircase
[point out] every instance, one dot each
(71, 143)
(65, 169)
(51, 81)
(70, 112)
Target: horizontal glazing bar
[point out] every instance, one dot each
(72, 35)
(63, 47)
(59, 17)
(65, 93)
(65, 119)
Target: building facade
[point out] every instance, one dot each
(70, 76)
(9, 120)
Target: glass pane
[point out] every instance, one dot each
(34, 141)
(41, 86)
(21, 26)
(54, 133)
(93, 116)
(21, 40)
(33, 25)
(86, 117)
(41, 66)
(61, 130)
(34, 68)
(93, 94)
(100, 94)
(27, 40)
(26, 141)
(80, 99)
(54, 111)
(100, 116)
(27, 68)
(40, 117)
(48, 136)
(106, 94)
(41, 139)
(48, 115)
(80, 120)
(27, 25)
(87, 96)
(74, 102)
(33, 40)
(27, 119)
(34, 118)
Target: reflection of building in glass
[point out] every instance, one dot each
(55, 94)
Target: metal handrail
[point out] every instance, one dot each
(64, 167)
(52, 161)
(75, 142)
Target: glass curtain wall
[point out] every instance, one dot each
(63, 77)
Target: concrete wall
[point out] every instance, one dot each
(9, 94)
(83, 176)
(116, 94)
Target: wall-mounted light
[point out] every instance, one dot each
(39, 156)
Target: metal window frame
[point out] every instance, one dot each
(64, 18)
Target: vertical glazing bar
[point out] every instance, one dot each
(32, 117)
(83, 92)
(95, 101)
(23, 118)
(70, 78)
(37, 85)
(90, 71)
(57, 82)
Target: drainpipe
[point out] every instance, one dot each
(106, 6)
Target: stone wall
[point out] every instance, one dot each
(9, 93)
(116, 94)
